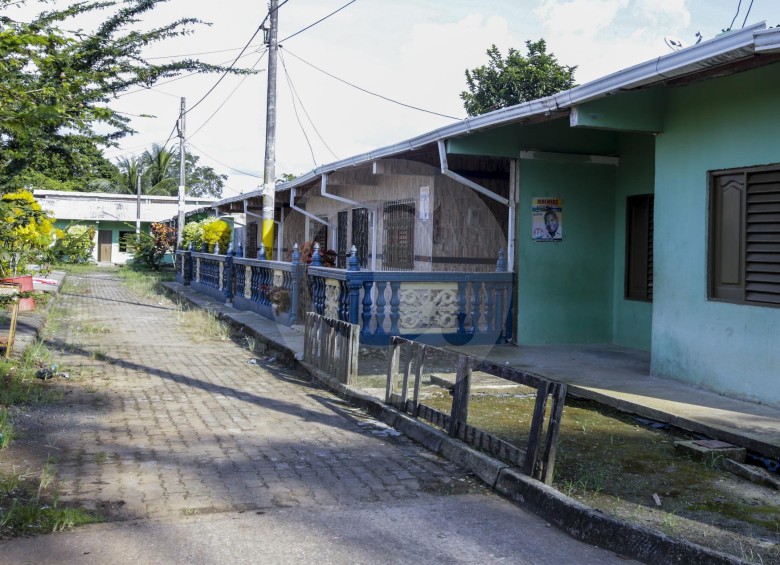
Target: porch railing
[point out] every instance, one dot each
(431, 307)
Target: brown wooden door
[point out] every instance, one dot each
(104, 245)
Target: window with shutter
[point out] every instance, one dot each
(639, 247)
(744, 257)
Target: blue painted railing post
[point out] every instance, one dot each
(204, 247)
(297, 272)
(227, 278)
(316, 259)
(240, 250)
(187, 266)
(354, 283)
(216, 248)
(501, 263)
(261, 252)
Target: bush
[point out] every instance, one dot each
(192, 234)
(25, 232)
(151, 248)
(216, 231)
(74, 244)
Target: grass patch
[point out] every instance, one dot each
(202, 325)
(145, 283)
(29, 504)
(608, 460)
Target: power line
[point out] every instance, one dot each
(224, 165)
(748, 13)
(259, 28)
(734, 19)
(196, 54)
(372, 93)
(226, 99)
(318, 21)
(296, 95)
(297, 117)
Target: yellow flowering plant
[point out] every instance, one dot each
(25, 232)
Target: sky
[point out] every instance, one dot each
(411, 51)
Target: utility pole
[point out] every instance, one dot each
(138, 200)
(180, 224)
(269, 180)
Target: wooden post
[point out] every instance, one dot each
(535, 435)
(392, 368)
(418, 369)
(460, 395)
(553, 430)
(353, 353)
(407, 364)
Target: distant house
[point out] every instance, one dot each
(641, 209)
(112, 216)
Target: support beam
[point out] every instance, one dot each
(575, 158)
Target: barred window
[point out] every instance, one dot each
(398, 249)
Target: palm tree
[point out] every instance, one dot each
(129, 170)
(162, 179)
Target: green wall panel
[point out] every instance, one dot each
(721, 123)
(565, 288)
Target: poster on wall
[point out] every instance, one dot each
(425, 203)
(547, 219)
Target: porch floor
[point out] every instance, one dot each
(611, 375)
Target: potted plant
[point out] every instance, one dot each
(25, 234)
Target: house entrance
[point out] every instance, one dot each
(104, 245)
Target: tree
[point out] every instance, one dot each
(160, 174)
(56, 84)
(200, 180)
(516, 79)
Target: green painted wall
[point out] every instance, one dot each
(721, 123)
(632, 319)
(565, 289)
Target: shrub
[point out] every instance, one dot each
(25, 232)
(150, 248)
(74, 244)
(192, 234)
(216, 231)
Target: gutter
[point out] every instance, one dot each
(305, 213)
(324, 192)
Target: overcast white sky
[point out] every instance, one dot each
(414, 51)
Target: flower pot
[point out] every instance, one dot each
(27, 285)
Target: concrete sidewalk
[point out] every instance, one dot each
(612, 375)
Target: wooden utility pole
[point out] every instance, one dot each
(269, 180)
(180, 224)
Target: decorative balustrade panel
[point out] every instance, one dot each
(265, 287)
(208, 276)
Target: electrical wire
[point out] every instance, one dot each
(248, 43)
(318, 21)
(297, 117)
(224, 165)
(734, 19)
(196, 54)
(294, 91)
(226, 99)
(372, 93)
(748, 13)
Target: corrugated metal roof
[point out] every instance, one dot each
(725, 48)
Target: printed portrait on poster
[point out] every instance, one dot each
(547, 219)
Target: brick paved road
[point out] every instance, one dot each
(171, 425)
(156, 425)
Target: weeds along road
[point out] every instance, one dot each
(194, 455)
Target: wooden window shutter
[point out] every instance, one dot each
(762, 237)
(726, 239)
(639, 247)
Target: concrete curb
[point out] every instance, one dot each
(578, 520)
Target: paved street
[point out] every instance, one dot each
(198, 456)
